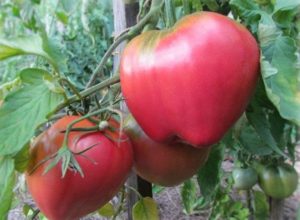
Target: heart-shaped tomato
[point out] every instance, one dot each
(190, 82)
(105, 166)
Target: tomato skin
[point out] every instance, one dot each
(166, 164)
(278, 181)
(244, 178)
(192, 81)
(72, 197)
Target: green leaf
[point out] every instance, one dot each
(252, 142)
(7, 182)
(62, 16)
(208, 176)
(261, 206)
(188, 195)
(285, 12)
(107, 210)
(8, 87)
(248, 11)
(286, 4)
(26, 209)
(211, 4)
(280, 70)
(25, 109)
(33, 45)
(197, 5)
(259, 121)
(145, 209)
(22, 158)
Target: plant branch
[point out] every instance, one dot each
(71, 86)
(113, 80)
(100, 67)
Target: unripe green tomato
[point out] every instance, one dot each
(278, 181)
(244, 178)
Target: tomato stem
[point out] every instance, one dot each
(71, 86)
(69, 127)
(93, 128)
(113, 80)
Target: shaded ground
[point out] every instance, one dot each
(170, 206)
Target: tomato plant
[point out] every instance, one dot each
(278, 181)
(193, 93)
(244, 178)
(105, 161)
(187, 74)
(166, 164)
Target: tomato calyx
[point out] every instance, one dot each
(68, 159)
(66, 156)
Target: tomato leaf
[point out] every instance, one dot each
(280, 62)
(7, 181)
(281, 76)
(211, 4)
(253, 143)
(25, 109)
(208, 176)
(188, 195)
(22, 158)
(258, 120)
(261, 206)
(197, 5)
(145, 209)
(62, 16)
(285, 11)
(107, 210)
(26, 209)
(39, 45)
(248, 10)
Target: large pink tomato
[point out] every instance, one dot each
(166, 164)
(105, 166)
(190, 82)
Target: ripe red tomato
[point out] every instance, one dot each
(166, 164)
(190, 82)
(105, 167)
